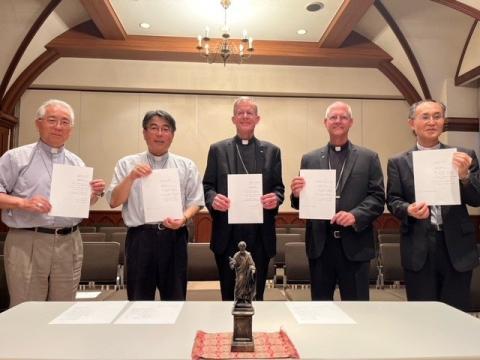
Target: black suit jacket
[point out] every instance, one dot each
(221, 162)
(361, 192)
(459, 230)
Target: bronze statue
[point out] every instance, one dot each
(245, 269)
(243, 311)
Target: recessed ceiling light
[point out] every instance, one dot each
(315, 6)
(301, 31)
(144, 25)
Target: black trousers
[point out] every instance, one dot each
(227, 275)
(332, 268)
(156, 259)
(437, 280)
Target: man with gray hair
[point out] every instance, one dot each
(438, 243)
(339, 250)
(43, 253)
(243, 154)
(156, 253)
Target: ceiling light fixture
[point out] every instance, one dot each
(225, 48)
(301, 31)
(144, 25)
(315, 6)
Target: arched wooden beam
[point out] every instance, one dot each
(459, 6)
(105, 18)
(406, 47)
(85, 41)
(400, 81)
(26, 78)
(473, 73)
(26, 41)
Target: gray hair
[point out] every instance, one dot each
(54, 102)
(161, 114)
(339, 103)
(413, 108)
(245, 99)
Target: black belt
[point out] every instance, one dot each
(335, 231)
(57, 231)
(152, 226)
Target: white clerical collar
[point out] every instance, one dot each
(50, 149)
(435, 147)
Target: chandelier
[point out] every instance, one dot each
(224, 49)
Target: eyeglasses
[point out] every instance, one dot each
(159, 129)
(338, 117)
(63, 123)
(427, 117)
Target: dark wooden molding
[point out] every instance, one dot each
(461, 124)
(473, 73)
(26, 78)
(344, 21)
(462, 7)
(105, 18)
(8, 120)
(86, 41)
(24, 44)
(4, 134)
(203, 222)
(406, 47)
(400, 81)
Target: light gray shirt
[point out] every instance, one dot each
(27, 171)
(190, 183)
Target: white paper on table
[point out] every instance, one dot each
(317, 198)
(435, 177)
(70, 191)
(87, 294)
(244, 192)
(161, 195)
(321, 312)
(151, 312)
(90, 312)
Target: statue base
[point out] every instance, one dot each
(242, 340)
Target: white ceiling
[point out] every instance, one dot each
(263, 19)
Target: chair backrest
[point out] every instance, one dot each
(201, 263)
(298, 230)
(281, 230)
(87, 229)
(100, 262)
(384, 238)
(109, 230)
(2, 246)
(282, 239)
(93, 237)
(120, 237)
(391, 263)
(3, 236)
(296, 263)
(4, 296)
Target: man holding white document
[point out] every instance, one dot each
(428, 189)
(42, 208)
(243, 190)
(346, 183)
(160, 192)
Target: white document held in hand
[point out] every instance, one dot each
(161, 195)
(317, 198)
(70, 191)
(435, 178)
(245, 192)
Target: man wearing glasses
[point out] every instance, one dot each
(438, 243)
(340, 249)
(43, 254)
(243, 154)
(156, 253)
